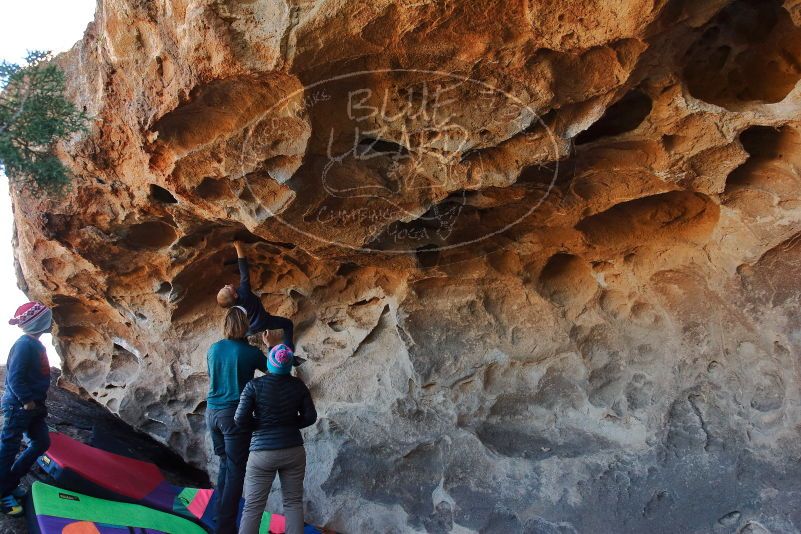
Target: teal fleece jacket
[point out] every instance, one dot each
(232, 364)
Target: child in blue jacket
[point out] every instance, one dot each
(23, 404)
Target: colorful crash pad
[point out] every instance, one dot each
(53, 510)
(80, 467)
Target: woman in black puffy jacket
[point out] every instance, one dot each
(275, 406)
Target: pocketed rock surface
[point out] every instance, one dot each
(543, 256)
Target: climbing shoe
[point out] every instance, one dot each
(10, 506)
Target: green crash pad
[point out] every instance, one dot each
(55, 508)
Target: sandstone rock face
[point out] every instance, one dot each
(543, 257)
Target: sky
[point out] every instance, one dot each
(30, 25)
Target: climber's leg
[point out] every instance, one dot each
(258, 481)
(274, 322)
(291, 473)
(237, 445)
(15, 423)
(39, 441)
(218, 444)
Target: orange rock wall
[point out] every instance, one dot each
(542, 255)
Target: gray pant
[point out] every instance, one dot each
(262, 466)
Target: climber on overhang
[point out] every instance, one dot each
(260, 320)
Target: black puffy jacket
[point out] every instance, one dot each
(275, 408)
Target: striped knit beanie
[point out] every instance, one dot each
(280, 359)
(33, 317)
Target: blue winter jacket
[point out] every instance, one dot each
(27, 372)
(275, 408)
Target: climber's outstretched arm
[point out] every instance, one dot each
(244, 268)
(240, 249)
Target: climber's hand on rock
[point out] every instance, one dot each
(240, 249)
(30, 405)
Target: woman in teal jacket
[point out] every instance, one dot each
(232, 363)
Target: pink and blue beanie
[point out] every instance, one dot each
(33, 317)
(280, 359)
